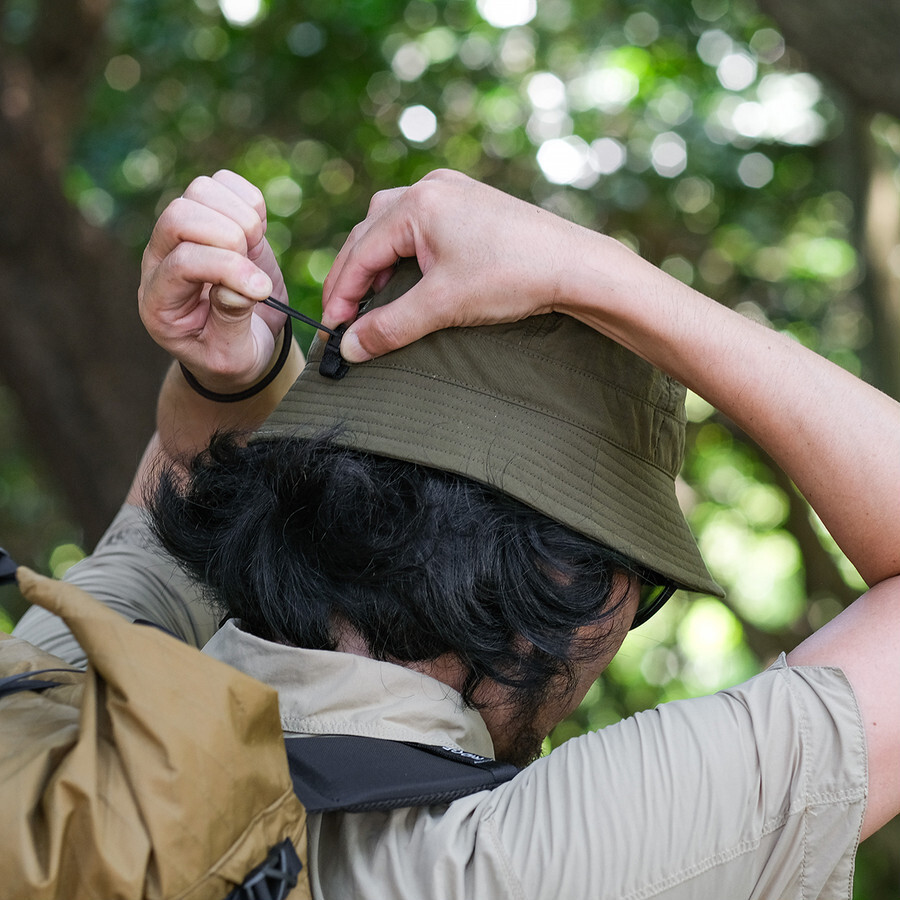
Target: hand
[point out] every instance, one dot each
(486, 257)
(205, 267)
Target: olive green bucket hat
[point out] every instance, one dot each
(546, 410)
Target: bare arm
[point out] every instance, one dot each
(835, 436)
(186, 421)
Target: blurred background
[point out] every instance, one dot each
(750, 149)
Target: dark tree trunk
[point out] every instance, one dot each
(71, 345)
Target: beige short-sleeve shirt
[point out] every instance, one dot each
(755, 792)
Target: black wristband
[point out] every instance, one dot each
(254, 389)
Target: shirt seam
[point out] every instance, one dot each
(517, 890)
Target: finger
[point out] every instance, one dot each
(190, 265)
(383, 200)
(186, 221)
(236, 344)
(380, 203)
(244, 189)
(232, 313)
(372, 255)
(381, 279)
(245, 206)
(264, 257)
(379, 206)
(261, 253)
(229, 302)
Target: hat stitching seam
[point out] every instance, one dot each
(480, 334)
(385, 364)
(563, 458)
(602, 518)
(571, 496)
(543, 410)
(670, 384)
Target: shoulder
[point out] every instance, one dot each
(715, 796)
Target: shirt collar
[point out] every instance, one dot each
(324, 692)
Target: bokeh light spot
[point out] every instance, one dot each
(546, 91)
(507, 13)
(141, 168)
(337, 176)
(319, 264)
(608, 155)
(563, 160)
(668, 154)
(409, 62)
(64, 557)
(756, 170)
(122, 72)
(713, 46)
(306, 39)
(241, 12)
(736, 71)
(418, 124)
(283, 196)
(641, 29)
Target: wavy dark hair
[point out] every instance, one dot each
(300, 538)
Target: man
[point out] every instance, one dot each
(762, 791)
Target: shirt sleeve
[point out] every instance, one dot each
(756, 792)
(130, 573)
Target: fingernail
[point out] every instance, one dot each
(352, 350)
(259, 283)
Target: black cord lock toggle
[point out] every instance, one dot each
(332, 364)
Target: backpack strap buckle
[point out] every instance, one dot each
(274, 878)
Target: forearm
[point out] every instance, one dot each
(835, 436)
(185, 421)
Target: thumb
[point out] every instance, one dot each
(229, 314)
(242, 341)
(394, 325)
(229, 305)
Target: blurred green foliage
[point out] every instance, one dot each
(682, 127)
(679, 127)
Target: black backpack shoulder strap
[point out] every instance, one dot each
(358, 774)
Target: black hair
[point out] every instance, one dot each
(299, 538)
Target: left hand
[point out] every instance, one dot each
(205, 267)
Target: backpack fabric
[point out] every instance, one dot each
(157, 773)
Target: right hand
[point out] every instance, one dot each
(485, 256)
(207, 265)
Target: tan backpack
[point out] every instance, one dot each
(157, 773)
(161, 773)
